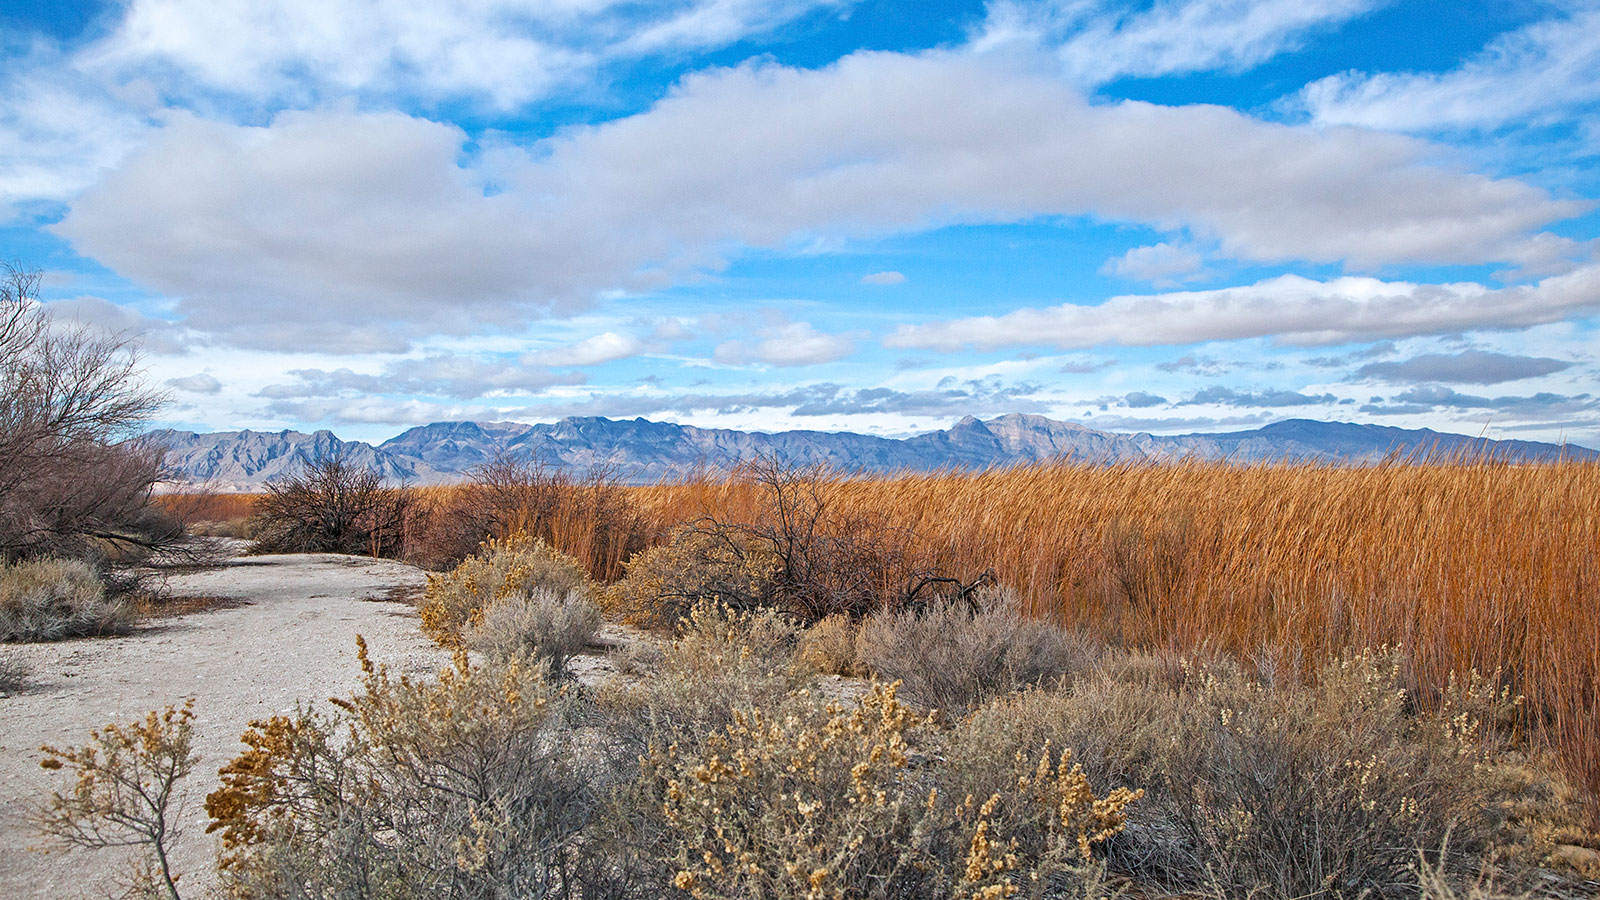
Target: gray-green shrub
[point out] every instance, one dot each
(542, 624)
(1290, 790)
(14, 673)
(952, 656)
(50, 599)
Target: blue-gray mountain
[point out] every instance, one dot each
(642, 451)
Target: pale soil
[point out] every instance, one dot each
(293, 640)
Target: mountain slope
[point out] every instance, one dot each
(639, 450)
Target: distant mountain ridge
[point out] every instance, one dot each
(639, 450)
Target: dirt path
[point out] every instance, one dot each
(294, 639)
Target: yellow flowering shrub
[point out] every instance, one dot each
(513, 566)
(818, 800)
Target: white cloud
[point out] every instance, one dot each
(591, 351)
(150, 334)
(883, 278)
(1101, 41)
(323, 231)
(57, 134)
(792, 344)
(1536, 71)
(503, 52)
(1292, 309)
(358, 231)
(1163, 264)
(198, 383)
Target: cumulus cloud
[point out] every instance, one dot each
(1432, 397)
(1468, 367)
(1535, 72)
(1084, 365)
(198, 383)
(1372, 351)
(1102, 41)
(792, 344)
(1193, 364)
(949, 397)
(1173, 424)
(1289, 308)
(372, 410)
(883, 278)
(1163, 264)
(355, 231)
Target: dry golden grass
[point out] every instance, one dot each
(1465, 564)
(209, 508)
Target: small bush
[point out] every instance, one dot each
(547, 627)
(468, 786)
(954, 657)
(122, 792)
(50, 599)
(518, 565)
(722, 566)
(1281, 791)
(829, 647)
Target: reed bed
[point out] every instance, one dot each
(1465, 565)
(212, 509)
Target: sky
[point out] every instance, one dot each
(1173, 216)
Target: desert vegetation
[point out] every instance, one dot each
(734, 770)
(1284, 682)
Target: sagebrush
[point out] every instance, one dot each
(50, 599)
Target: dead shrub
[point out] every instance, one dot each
(830, 647)
(515, 566)
(1282, 791)
(50, 599)
(468, 786)
(72, 484)
(331, 505)
(547, 627)
(795, 550)
(953, 656)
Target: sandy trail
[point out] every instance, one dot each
(293, 640)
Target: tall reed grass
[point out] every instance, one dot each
(1464, 564)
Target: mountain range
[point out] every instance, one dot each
(638, 450)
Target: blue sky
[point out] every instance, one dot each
(1188, 215)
